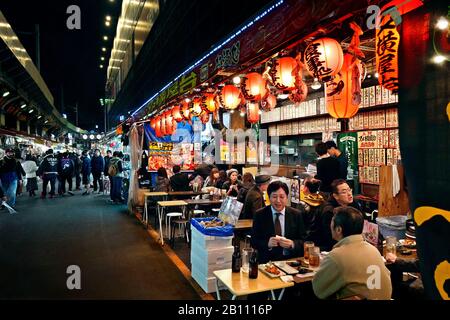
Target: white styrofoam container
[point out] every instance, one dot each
(209, 242)
(207, 284)
(212, 256)
(206, 270)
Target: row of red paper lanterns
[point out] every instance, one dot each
(324, 60)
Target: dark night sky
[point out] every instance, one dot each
(70, 59)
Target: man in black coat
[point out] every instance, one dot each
(254, 199)
(341, 195)
(327, 168)
(278, 231)
(179, 181)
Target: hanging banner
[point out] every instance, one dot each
(348, 144)
(387, 40)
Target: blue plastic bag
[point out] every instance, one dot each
(223, 231)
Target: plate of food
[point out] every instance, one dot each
(271, 270)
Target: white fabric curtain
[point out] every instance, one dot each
(135, 155)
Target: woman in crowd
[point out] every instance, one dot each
(162, 181)
(233, 185)
(30, 168)
(213, 178)
(248, 182)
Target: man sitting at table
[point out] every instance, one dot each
(254, 200)
(353, 267)
(179, 181)
(341, 196)
(278, 231)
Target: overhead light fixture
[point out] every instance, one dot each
(108, 18)
(105, 38)
(316, 85)
(232, 111)
(104, 49)
(237, 80)
(283, 96)
(92, 137)
(107, 23)
(6, 93)
(242, 114)
(64, 116)
(369, 76)
(46, 121)
(23, 106)
(102, 58)
(99, 137)
(85, 136)
(438, 59)
(31, 111)
(39, 116)
(101, 66)
(187, 100)
(442, 23)
(376, 74)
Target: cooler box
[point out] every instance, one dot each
(208, 261)
(208, 238)
(207, 284)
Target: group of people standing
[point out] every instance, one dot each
(61, 168)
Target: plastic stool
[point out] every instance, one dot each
(198, 213)
(179, 222)
(167, 219)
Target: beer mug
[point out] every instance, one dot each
(306, 246)
(314, 256)
(391, 245)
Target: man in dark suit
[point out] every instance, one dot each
(254, 200)
(278, 231)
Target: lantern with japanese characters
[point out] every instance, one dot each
(176, 113)
(283, 73)
(254, 87)
(169, 122)
(230, 97)
(269, 103)
(253, 112)
(324, 58)
(163, 125)
(341, 93)
(209, 102)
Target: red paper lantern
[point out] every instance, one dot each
(196, 109)
(283, 76)
(153, 123)
(185, 110)
(158, 126)
(253, 112)
(209, 102)
(339, 92)
(324, 58)
(271, 102)
(163, 125)
(230, 97)
(176, 113)
(169, 122)
(254, 87)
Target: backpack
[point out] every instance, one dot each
(113, 170)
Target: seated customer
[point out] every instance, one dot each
(162, 181)
(278, 231)
(233, 185)
(254, 199)
(179, 181)
(248, 182)
(353, 267)
(311, 201)
(341, 195)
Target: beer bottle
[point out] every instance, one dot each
(236, 261)
(253, 265)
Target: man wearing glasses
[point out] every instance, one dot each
(341, 196)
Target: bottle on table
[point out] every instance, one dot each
(236, 261)
(253, 265)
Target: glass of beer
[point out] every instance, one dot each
(314, 257)
(306, 246)
(391, 245)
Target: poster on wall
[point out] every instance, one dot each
(252, 153)
(348, 144)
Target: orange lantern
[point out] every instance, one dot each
(169, 122)
(119, 130)
(158, 126)
(176, 113)
(282, 73)
(196, 109)
(271, 102)
(339, 94)
(163, 125)
(230, 97)
(209, 102)
(253, 112)
(324, 58)
(254, 87)
(185, 112)
(153, 123)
